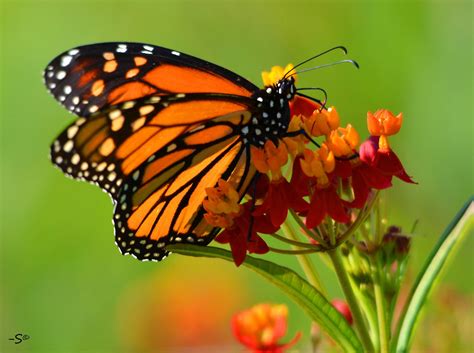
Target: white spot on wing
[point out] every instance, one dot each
(114, 114)
(121, 49)
(72, 131)
(60, 75)
(66, 60)
(75, 159)
(68, 146)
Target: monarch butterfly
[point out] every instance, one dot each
(155, 128)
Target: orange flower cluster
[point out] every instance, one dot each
(330, 173)
(241, 227)
(261, 327)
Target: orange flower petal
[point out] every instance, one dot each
(383, 122)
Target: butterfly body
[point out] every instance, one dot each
(157, 127)
(273, 117)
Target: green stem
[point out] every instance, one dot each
(295, 243)
(361, 217)
(310, 233)
(359, 320)
(367, 305)
(293, 252)
(306, 264)
(378, 224)
(381, 306)
(330, 227)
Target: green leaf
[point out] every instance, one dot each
(312, 301)
(430, 273)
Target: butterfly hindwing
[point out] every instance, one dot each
(88, 78)
(161, 202)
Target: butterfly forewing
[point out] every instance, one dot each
(88, 78)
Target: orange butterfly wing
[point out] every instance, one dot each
(109, 145)
(88, 78)
(157, 128)
(161, 202)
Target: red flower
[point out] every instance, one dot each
(303, 106)
(261, 327)
(243, 237)
(279, 199)
(326, 201)
(343, 168)
(374, 170)
(364, 178)
(300, 182)
(261, 187)
(385, 160)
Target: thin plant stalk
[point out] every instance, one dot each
(296, 244)
(306, 264)
(382, 310)
(310, 233)
(368, 308)
(359, 320)
(293, 252)
(361, 217)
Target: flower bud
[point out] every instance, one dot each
(343, 308)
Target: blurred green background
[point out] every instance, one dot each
(63, 280)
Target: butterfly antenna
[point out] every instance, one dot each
(339, 47)
(323, 103)
(347, 61)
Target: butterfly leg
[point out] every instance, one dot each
(304, 133)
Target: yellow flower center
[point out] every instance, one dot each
(271, 78)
